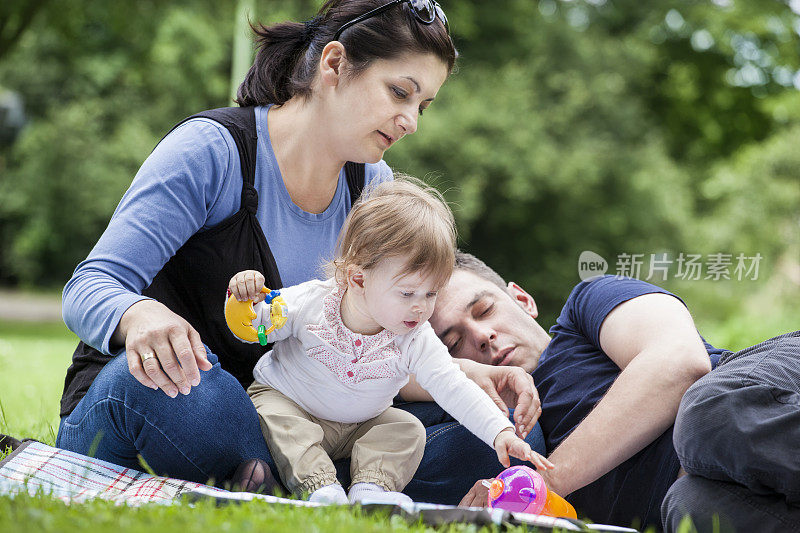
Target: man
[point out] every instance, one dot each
(611, 379)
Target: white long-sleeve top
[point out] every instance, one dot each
(336, 374)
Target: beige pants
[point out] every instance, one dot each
(385, 450)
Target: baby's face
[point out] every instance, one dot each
(396, 301)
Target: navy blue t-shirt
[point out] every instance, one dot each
(573, 375)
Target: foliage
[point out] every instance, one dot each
(102, 82)
(15, 18)
(612, 126)
(605, 127)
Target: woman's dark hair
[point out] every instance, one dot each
(289, 52)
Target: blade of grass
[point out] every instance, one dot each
(145, 466)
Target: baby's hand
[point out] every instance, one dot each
(507, 443)
(247, 285)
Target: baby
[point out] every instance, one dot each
(351, 342)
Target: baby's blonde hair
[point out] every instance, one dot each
(399, 218)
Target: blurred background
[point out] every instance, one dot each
(634, 130)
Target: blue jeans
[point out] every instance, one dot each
(207, 434)
(199, 437)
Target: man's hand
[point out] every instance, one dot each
(478, 495)
(163, 350)
(508, 387)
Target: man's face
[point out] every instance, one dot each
(478, 320)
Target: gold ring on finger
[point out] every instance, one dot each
(147, 355)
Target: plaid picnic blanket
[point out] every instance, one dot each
(74, 478)
(35, 467)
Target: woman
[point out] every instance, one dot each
(263, 187)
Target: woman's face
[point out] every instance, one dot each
(383, 104)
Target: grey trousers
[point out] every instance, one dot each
(737, 435)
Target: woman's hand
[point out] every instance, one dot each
(508, 386)
(247, 285)
(163, 350)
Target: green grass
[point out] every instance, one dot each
(42, 514)
(33, 362)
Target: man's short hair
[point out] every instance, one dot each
(469, 263)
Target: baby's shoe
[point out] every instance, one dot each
(334, 494)
(372, 493)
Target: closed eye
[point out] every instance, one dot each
(484, 306)
(453, 347)
(399, 93)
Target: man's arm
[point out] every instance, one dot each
(653, 339)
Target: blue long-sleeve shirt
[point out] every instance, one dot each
(191, 182)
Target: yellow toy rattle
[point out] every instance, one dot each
(240, 315)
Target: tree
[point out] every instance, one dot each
(15, 18)
(616, 127)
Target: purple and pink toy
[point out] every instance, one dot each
(521, 489)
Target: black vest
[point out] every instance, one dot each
(193, 282)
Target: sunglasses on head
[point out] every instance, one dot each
(425, 11)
